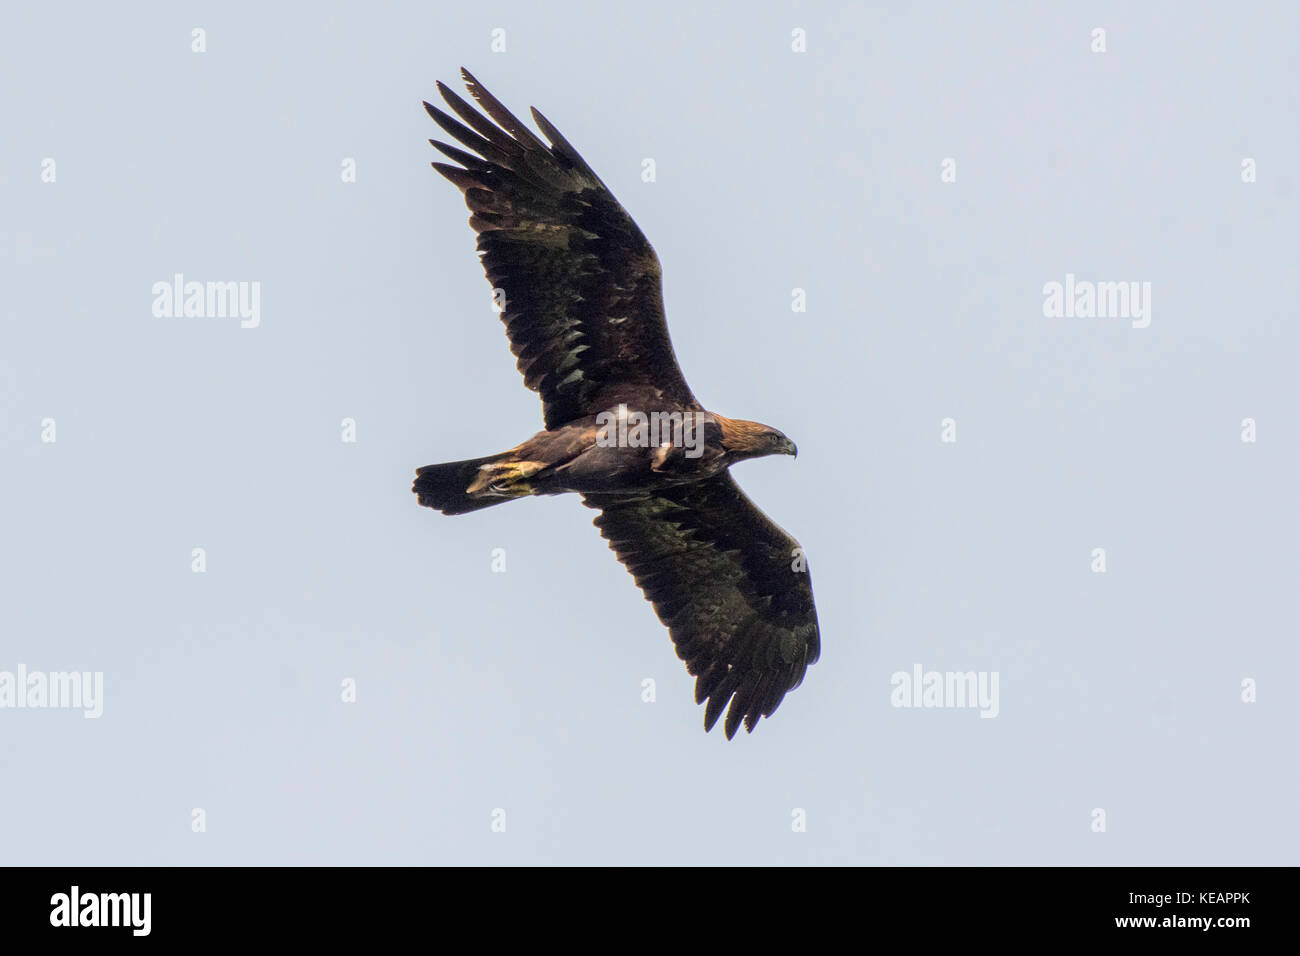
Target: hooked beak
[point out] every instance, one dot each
(790, 448)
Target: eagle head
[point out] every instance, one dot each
(744, 439)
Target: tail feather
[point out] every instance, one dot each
(446, 486)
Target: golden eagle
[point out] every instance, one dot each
(579, 290)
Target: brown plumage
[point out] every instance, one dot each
(583, 309)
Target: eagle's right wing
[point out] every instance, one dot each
(583, 304)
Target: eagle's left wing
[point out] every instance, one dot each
(731, 586)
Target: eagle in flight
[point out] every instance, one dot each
(579, 290)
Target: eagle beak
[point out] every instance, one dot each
(791, 448)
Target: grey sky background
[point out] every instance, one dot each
(522, 690)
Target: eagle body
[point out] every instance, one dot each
(601, 455)
(580, 295)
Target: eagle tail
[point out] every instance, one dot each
(458, 487)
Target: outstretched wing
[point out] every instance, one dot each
(583, 304)
(730, 585)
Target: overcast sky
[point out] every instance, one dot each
(922, 175)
